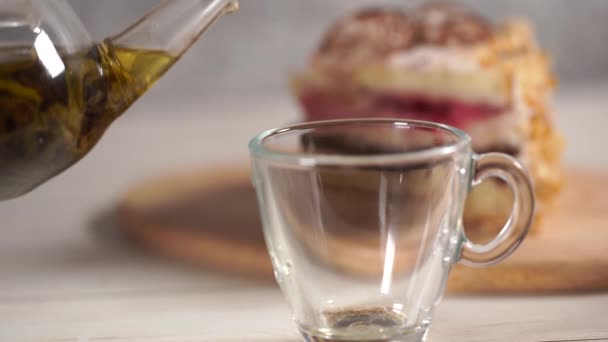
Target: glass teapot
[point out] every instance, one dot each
(59, 91)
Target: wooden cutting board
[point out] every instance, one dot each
(209, 217)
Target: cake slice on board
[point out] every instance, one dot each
(445, 63)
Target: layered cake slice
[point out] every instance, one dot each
(444, 63)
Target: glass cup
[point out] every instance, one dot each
(363, 221)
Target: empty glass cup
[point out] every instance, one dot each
(362, 219)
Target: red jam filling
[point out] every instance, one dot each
(322, 106)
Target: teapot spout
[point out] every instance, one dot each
(132, 61)
(173, 26)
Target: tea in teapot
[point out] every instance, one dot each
(59, 91)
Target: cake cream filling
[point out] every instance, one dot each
(501, 133)
(430, 58)
(440, 72)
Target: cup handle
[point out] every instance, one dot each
(512, 234)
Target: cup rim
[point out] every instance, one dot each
(259, 151)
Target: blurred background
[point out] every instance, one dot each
(253, 51)
(247, 57)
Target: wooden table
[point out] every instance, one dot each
(67, 275)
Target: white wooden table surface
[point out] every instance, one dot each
(66, 275)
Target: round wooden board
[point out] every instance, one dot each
(210, 217)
